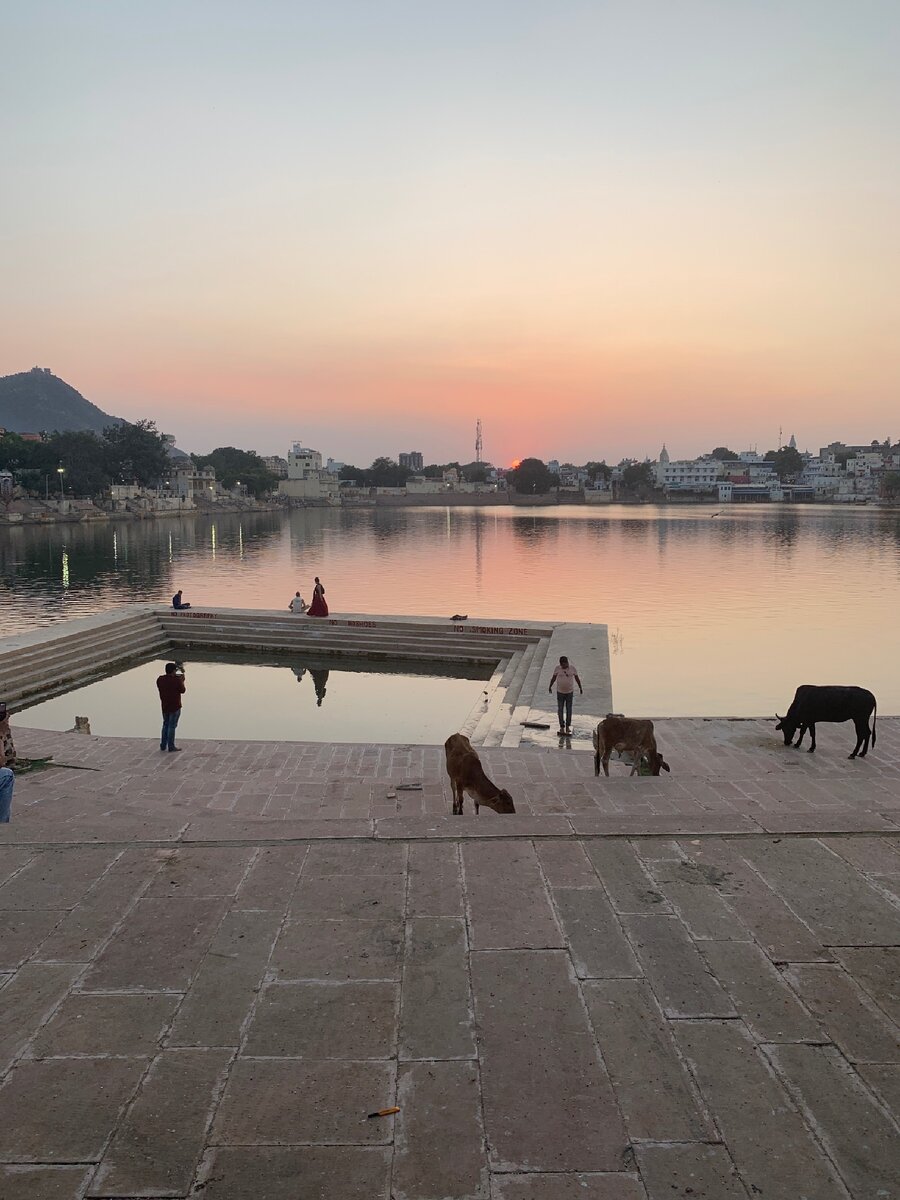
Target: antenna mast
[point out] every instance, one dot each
(478, 440)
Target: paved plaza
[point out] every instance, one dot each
(215, 965)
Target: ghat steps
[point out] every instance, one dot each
(49, 662)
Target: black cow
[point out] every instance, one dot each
(812, 704)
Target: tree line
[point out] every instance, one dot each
(86, 464)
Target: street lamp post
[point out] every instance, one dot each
(60, 471)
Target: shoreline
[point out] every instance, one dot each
(95, 516)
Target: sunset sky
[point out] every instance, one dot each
(365, 223)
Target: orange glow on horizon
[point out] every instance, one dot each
(515, 464)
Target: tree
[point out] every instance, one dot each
(83, 457)
(136, 453)
(787, 460)
(21, 457)
(722, 452)
(531, 477)
(358, 475)
(126, 453)
(890, 485)
(436, 470)
(385, 472)
(638, 480)
(598, 470)
(239, 466)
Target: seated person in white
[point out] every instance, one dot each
(298, 604)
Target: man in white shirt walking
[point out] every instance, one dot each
(565, 677)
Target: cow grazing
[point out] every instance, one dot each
(467, 775)
(812, 704)
(626, 735)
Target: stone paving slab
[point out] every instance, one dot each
(266, 1035)
(727, 777)
(665, 1010)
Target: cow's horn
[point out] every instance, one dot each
(777, 718)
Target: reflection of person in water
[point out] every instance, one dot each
(300, 672)
(320, 678)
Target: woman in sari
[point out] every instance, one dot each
(318, 608)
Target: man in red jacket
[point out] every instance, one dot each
(171, 689)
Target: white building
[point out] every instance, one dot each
(190, 482)
(732, 493)
(306, 477)
(861, 464)
(303, 463)
(688, 475)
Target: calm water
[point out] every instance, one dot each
(273, 701)
(708, 614)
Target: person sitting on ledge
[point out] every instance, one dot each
(177, 601)
(298, 604)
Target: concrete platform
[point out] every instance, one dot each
(214, 965)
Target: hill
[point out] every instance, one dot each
(36, 400)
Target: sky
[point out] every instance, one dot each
(363, 224)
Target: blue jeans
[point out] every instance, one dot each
(7, 779)
(564, 701)
(167, 738)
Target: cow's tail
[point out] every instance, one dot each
(874, 719)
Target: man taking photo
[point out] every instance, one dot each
(171, 689)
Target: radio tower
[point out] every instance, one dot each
(478, 440)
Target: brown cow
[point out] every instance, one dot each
(467, 775)
(626, 735)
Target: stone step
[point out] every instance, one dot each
(54, 643)
(180, 628)
(347, 648)
(500, 726)
(487, 718)
(88, 669)
(63, 662)
(483, 704)
(522, 709)
(422, 627)
(400, 647)
(510, 670)
(287, 633)
(514, 690)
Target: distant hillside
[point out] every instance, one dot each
(35, 400)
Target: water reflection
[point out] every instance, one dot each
(721, 614)
(50, 573)
(365, 702)
(320, 681)
(534, 530)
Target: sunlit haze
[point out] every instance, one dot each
(596, 226)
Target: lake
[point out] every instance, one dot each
(711, 611)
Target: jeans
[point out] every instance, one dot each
(167, 738)
(7, 779)
(564, 701)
